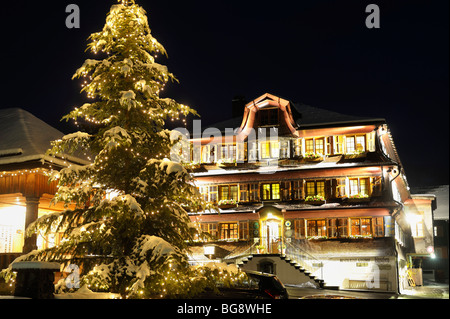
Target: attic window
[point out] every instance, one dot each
(11, 152)
(268, 117)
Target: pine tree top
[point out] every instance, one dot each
(126, 2)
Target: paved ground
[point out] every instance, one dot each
(430, 290)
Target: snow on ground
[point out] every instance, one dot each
(85, 293)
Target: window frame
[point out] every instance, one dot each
(359, 227)
(232, 233)
(273, 189)
(316, 226)
(319, 188)
(269, 117)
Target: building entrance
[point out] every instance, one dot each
(272, 236)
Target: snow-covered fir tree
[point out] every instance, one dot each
(129, 231)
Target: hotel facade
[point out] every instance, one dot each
(316, 197)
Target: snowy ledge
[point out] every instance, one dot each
(36, 265)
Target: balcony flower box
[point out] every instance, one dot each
(360, 237)
(358, 199)
(227, 204)
(226, 163)
(313, 157)
(356, 155)
(315, 200)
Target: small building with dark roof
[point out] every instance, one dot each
(25, 190)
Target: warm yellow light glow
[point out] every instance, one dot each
(12, 227)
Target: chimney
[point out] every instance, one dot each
(238, 105)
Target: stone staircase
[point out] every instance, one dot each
(293, 267)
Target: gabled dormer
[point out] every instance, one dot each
(268, 111)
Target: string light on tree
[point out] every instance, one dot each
(129, 229)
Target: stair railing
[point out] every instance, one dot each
(305, 260)
(251, 250)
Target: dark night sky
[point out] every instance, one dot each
(316, 52)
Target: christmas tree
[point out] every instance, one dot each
(129, 231)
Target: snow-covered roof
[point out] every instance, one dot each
(24, 137)
(305, 116)
(441, 192)
(309, 116)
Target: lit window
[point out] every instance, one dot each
(265, 150)
(266, 191)
(364, 187)
(210, 229)
(378, 227)
(320, 188)
(340, 187)
(316, 228)
(416, 222)
(354, 189)
(271, 191)
(206, 153)
(299, 228)
(223, 192)
(350, 144)
(275, 191)
(224, 152)
(243, 189)
(319, 146)
(243, 230)
(342, 225)
(254, 192)
(297, 189)
(12, 229)
(359, 186)
(229, 231)
(365, 227)
(204, 192)
(356, 226)
(310, 189)
(309, 145)
(234, 192)
(361, 143)
(315, 188)
(275, 149)
(252, 152)
(284, 149)
(242, 152)
(213, 194)
(361, 226)
(338, 144)
(298, 147)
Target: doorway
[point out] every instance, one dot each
(272, 236)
